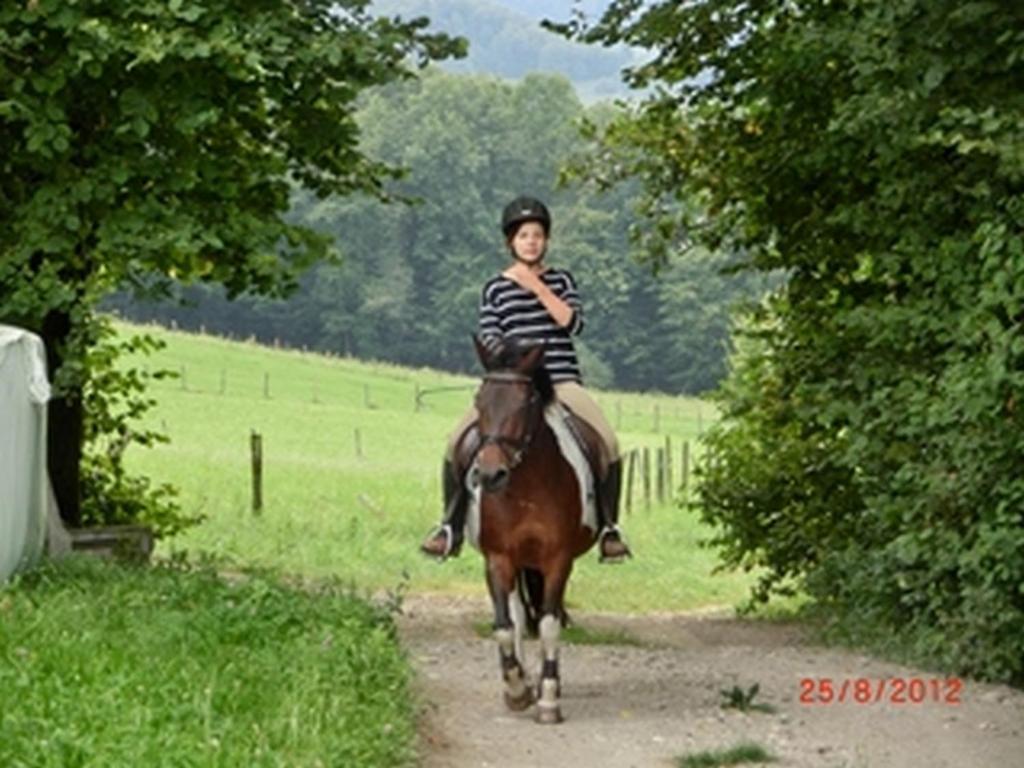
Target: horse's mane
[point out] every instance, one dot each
(507, 358)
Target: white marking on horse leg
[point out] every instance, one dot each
(518, 613)
(516, 690)
(550, 633)
(506, 641)
(548, 710)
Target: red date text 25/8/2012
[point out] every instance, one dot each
(894, 690)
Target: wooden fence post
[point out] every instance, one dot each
(655, 476)
(647, 478)
(629, 481)
(670, 490)
(661, 475)
(256, 449)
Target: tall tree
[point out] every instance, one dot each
(408, 286)
(150, 141)
(471, 143)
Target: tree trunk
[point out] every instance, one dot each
(64, 426)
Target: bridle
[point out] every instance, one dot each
(517, 446)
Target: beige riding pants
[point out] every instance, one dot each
(577, 400)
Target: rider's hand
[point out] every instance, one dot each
(523, 276)
(531, 281)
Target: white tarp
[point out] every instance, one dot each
(24, 391)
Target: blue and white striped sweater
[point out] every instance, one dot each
(510, 312)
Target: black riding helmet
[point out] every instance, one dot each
(525, 209)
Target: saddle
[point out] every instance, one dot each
(585, 436)
(578, 442)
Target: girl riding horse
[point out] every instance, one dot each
(531, 302)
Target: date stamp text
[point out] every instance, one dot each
(893, 690)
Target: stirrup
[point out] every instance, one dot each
(607, 531)
(451, 548)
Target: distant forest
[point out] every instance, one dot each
(407, 285)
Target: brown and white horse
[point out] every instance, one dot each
(531, 526)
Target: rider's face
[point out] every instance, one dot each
(529, 242)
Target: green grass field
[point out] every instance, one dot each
(351, 474)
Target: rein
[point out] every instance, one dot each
(518, 446)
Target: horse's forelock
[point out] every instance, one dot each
(508, 356)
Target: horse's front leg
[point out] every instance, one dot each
(549, 709)
(501, 583)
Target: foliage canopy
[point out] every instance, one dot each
(145, 142)
(873, 431)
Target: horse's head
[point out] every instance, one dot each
(510, 403)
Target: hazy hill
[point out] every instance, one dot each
(506, 40)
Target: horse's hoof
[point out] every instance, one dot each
(521, 702)
(548, 715)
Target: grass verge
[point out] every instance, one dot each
(103, 665)
(741, 753)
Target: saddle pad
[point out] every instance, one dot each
(555, 415)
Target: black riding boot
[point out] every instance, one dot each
(446, 540)
(610, 543)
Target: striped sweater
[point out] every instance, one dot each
(510, 312)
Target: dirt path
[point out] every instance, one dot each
(644, 706)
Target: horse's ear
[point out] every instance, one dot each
(482, 352)
(530, 361)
